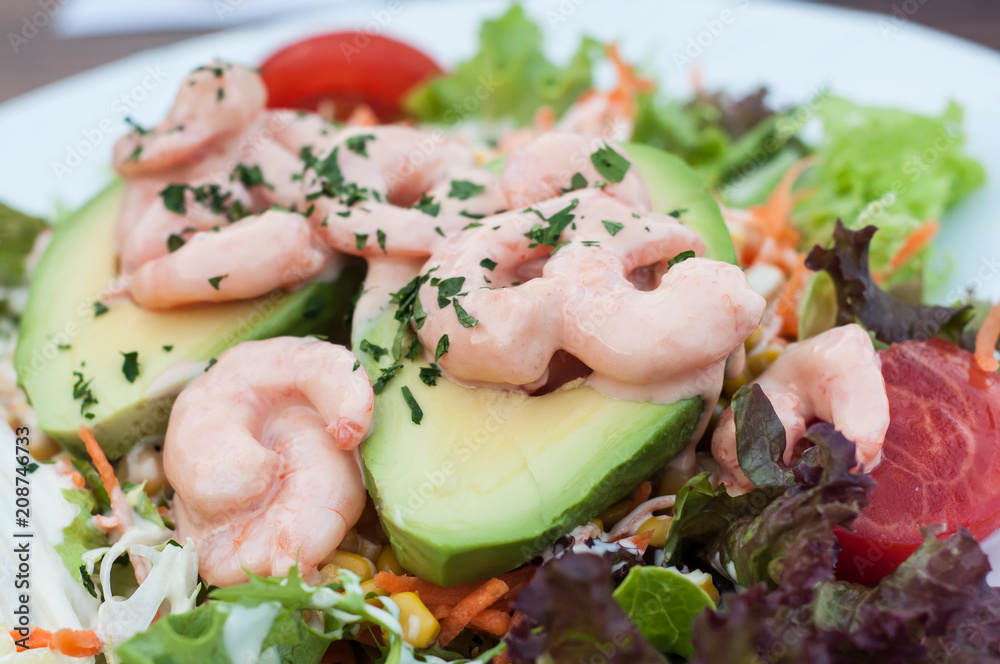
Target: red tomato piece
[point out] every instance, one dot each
(940, 462)
(347, 68)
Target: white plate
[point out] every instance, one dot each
(56, 141)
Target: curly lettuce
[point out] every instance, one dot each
(508, 78)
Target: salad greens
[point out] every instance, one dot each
(859, 298)
(279, 619)
(81, 536)
(18, 232)
(509, 77)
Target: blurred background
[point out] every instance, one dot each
(52, 39)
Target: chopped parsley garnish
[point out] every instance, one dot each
(173, 198)
(211, 363)
(548, 236)
(414, 351)
(135, 126)
(472, 224)
(463, 316)
(359, 144)
(488, 264)
(88, 583)
(463, 190)
(442, 347)
(679, 258)
(613, 227)
(429, 375)
(447, 289)
(437, 229)
(558, 247)
(216, 280)
(388, 373)
(427, 205)
(130, 367)
(99, 309)
(168, 348)
(676, 214)
(220, 94)
(610, 164)
(380, 236)
(591, 243)
(577, 182)
(377, 352)
(636, 215)
(83, 392)
(360, 240)
(415, 413)
(174, 242)
(331, 179)
(249, 176)
(471, 215)
(357, 365)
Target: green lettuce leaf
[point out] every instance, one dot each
(909, 164)
(263, 620)
(663, 603)
(509, 77)
(81, 535)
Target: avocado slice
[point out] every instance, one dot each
(64, 331)
(488, 479)
(676, 189)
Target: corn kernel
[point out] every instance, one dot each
(330, 573)
(752, 340)
(420, 627)
(659, 526)
(615, 513)
(597, 523)
(709, 587)
(759, 362)
(387, 562)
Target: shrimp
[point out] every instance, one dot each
(249, 258)
(582, 300)
(546, 168)
(215, 102)
(835, 376)
(366, 180)
(259, 452)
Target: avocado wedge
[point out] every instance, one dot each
(488, 479)
(73, 357)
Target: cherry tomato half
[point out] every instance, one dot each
(940, 461)
(347, 68)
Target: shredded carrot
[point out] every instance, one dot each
(787, 306)
(641, 495)
(492, 622)
(471, 606)
(915, 242)
(630, 84)
(773, 217)
(71, 642)
(439, 611)
(432, 594)
(104, 468)
(640, 541)
(986, 340)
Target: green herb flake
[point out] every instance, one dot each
(473, 224)
(463, 190)
(357, 365)
(676, 214)
(447, 289)
(577, 182)
(249, 176)
(360, 240)
(174, 242)
(99, 309)
(173, 198)
(488, 264)
(463, 316)
(429, 375)
(437, 229)
(472, 215)
(130, 367)
(610, 164)
(427, 205)
(442, 347)
(377, 352)
(613, 227)
(548, 236)
(416, 414)
(680, 258)
(359, 144)
(215, 281)
(388, 373)
(380, 237)
(88, 583)
(168, 348)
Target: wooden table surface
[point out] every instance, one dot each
(45, 58)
